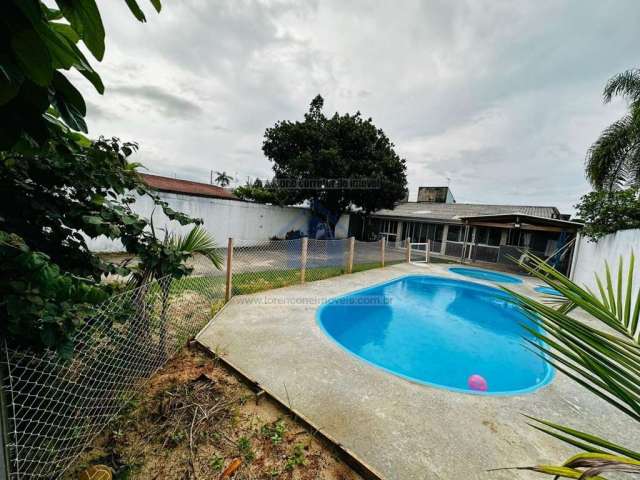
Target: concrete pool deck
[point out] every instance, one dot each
(403, 430)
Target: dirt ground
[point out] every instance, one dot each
(195, 420)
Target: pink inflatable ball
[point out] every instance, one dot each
(477, 383)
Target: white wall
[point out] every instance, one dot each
(590, 256)
(244, 221)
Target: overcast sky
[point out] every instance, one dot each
(501, 97)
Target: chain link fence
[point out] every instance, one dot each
(326, 258)
(367, 254)
(265, 265)
(395, 252)
(55, 407)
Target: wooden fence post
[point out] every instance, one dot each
(427, 251)
(303, 259)
(227, 292)
(352, 247)
(383, 242)
(407, 253)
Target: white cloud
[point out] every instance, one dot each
(502, 97)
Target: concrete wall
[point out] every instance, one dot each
(244, 221)
(589, 256)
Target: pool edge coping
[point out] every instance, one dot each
(345, 454)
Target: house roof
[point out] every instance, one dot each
(186, 187)
(456, 212)
(521, 218)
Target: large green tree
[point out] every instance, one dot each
(321, 158)
(613, 161)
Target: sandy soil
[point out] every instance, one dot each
(195, 420)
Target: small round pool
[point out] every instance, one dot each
(447, 333)
(485, 275)
(547, 290)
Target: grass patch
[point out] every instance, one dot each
(252, 282)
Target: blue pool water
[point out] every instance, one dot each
(440, 332)
(485, 275)
(547, 290)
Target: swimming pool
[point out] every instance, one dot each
(485, 275)
(447, 333)
(547, 290)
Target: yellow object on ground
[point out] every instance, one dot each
(96, 472)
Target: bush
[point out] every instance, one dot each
(606, 212)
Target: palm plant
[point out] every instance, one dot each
(167, 262)
(606, 361)
(614, 159)
(223, 179)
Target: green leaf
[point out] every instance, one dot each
(94, 78)
(52, 13)
(10, 80)
(33, 56)
(591, 439)
(66, 30)
(92, 219)
(62, 55)
(136, 10)
(629, 292)
(84, 17)
(157, 5)
(48, 336)
(69, 102)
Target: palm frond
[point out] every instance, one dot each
(592, 465)
(614, 159)
(605, 361)
(198, 242)
(582, 440)
(625, 84)
(606, 161)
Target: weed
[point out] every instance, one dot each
(216, 463)
(244, 445)
(296, 457)
(176, 438)
(274, 431)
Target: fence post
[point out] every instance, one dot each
(227, 292)
(407, 253)
(383, 242)
(303, 259)
(427, 251)
(352, 246)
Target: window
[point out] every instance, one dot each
(388, 226)
(454, 233)
(415, 232)
(488, 236)
(516, 238)
(495, 235)
(437, 233)
(424, 227)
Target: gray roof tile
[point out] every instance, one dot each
(454, 211)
